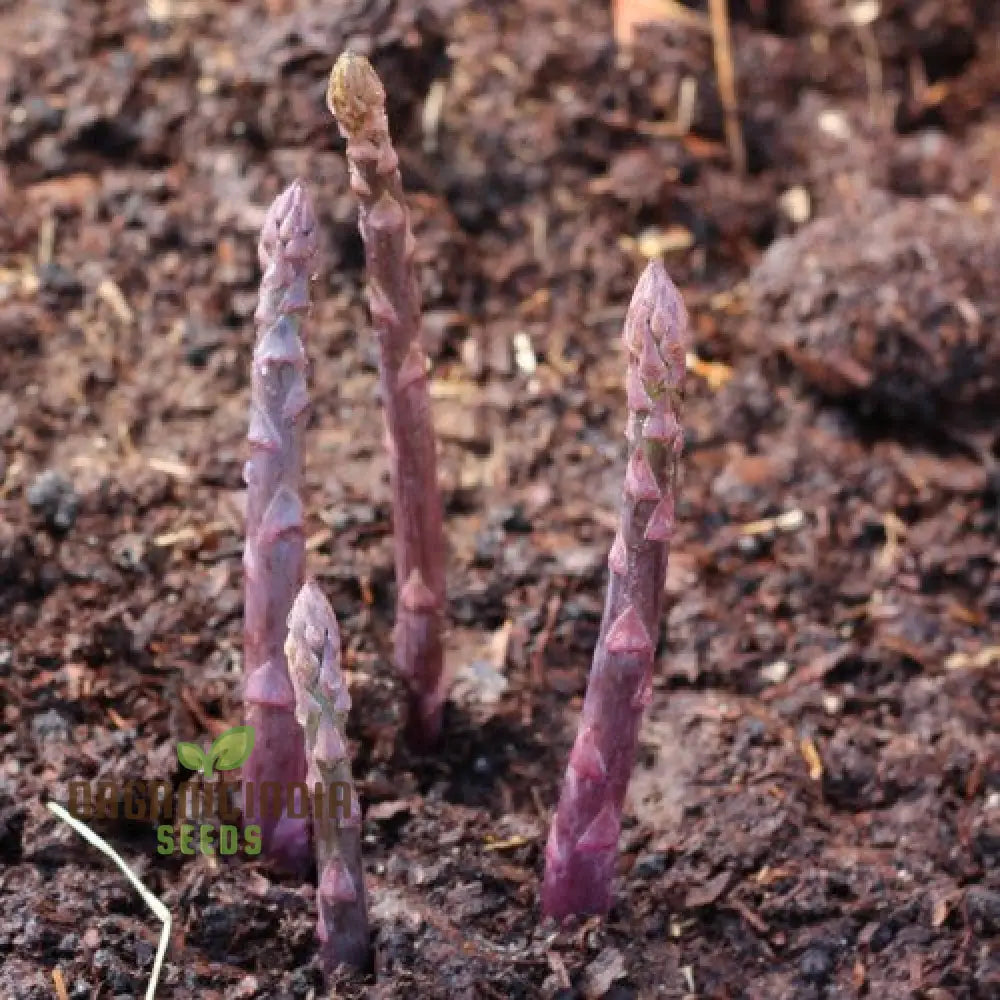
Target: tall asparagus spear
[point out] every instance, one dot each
(321, 706)
(357, 99)
(583, 839)
(275, 547)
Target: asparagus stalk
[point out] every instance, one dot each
(583, 839)
(275, 544)
(321, 706)
(357, 100)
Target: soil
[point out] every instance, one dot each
(816, 812)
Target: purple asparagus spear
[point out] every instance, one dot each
(357, 99)
(275, 546)
(583, 839)
(321, 706)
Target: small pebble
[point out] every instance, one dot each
(816, 964)
(396, 870)
(983, 906)
(59, 281)
(128, 551)
(513, 519)
(775, 673)
(69, 944)
(49, 725)
(650, 865)
(602, 972)
(52, 495)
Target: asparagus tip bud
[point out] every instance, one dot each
(354, 92)
(313, 647)
(655, 331)
(290, 219)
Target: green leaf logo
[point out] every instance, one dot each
(231, 749)
(227, 753)
(191, 756)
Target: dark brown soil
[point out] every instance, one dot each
(817, 809)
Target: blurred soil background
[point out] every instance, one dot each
(816, 813)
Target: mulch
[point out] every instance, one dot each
(816, 810)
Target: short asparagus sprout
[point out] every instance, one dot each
(357, 99)
(322, 703)
(583, 839)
